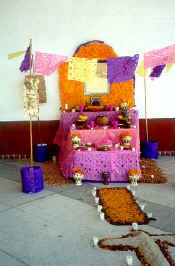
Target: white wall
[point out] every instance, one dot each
(59, 26)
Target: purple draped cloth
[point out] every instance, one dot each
(121, 69)
(25, 65)
(157, 70)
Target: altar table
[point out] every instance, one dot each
(117, 162)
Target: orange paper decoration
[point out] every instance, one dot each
(72, 92)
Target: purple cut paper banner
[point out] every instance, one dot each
(121, 69)
(25, 65)
(156, 72)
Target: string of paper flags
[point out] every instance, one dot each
(118, 69)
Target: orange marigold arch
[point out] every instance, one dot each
(72, 92)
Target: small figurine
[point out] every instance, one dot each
(126, 138)
(78, 175)
(134, 175)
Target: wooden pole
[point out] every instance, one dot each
(31, 137)
(146, 120)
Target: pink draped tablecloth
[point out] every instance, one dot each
(117, 162)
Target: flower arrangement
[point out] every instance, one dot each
(134, 175)
(78, 170)
(126, 134)
(78, 175)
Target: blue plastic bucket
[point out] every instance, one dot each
(32, 179)
(149, 149)
(41, 153)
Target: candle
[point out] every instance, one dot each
(133, 149)
(89, 149)
(73, 126)
(121, 147)
(95, 241)
(92, 123)
(66, 106)
(111, 107)
(129, 260)
(149, 214)
(142, 206)
(94, 188)
(116, 108)
(115, 124)
(96, 200)
(81, 108)
(135, 226)
(93, 193)
(128, 187)
(102, 216)
(99, 207)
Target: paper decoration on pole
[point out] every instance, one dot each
(82, 69)
(16, 54)
(157, 70)
(25, 65)
(31, 97)
(159, 57)
(141, 71)
(46, 63)
(121, 69)
(41, 88)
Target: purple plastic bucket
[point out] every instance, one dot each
(150, 149)
(32, 179)
(41, 153)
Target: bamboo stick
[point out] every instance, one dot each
(31, 137)
(146, 120)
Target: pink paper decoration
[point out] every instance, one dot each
(162, 56)
(46, 63)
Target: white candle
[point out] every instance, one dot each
(73, 125)
(133, 149)
(102, 216)
(93, 193)
(149, 214)
(94, 188)
(95, 241)
(89, 149)
(117, 145)
(135, 226)
(96, 200)
(129, 260)
(128, 187)
(99, 207)
(152, 176)
(142, 206)
(121, 147)
(66, 106)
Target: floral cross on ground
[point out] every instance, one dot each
(151, 249)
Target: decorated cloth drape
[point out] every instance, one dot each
(82, 69)
(46, 63)
(31, 96)
(157, 70)
(25, 65)
(159, 57)
(121, 69)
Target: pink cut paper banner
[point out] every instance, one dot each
(46, 63)
(159, 57)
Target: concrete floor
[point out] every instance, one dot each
(55, 226)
